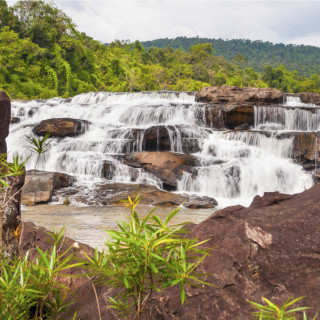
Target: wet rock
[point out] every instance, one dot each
(306, 146)
(5, 110)
(230, 106)
(112, 193)
(309, 97)
(195, 202)
(244, 126)
(108, 170)
(166, 166)
(235, 96)
(40, 188)
(61, 127)
(15, 120)
(156, 138)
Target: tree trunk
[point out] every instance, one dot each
(11, 217)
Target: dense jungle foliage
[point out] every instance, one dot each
(256, 54)
(43, 55)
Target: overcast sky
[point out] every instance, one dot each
(277, 21)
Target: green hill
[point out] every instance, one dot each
(257, 54)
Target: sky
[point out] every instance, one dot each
(296, 22)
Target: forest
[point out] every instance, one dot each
(43, 55)
(256, 54)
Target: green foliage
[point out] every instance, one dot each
(30, 289)
(286, 311)
(42, 55)
(253, 54)
(144, 256)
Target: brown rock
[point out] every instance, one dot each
(270, 249)
(61, 127)
(306, 146)
(41, 186)
(151, 195)
(167, 166)
(5, 110)
(309, 97)
(231, 107)
(156, 138)
(235, 96)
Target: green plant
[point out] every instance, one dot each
(271, 311)
(147, 255)
(66, 201)
(11, 186)
(30, 289)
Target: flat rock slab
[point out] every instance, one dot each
(236, 96)
(167, 166)
(40, 188)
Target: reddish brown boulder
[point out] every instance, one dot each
(5, 110)
(166, 166)
(309, 97)
(236, 96)
(270, 249)
(61, 127)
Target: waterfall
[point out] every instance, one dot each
(233, 166)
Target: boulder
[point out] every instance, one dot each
(235, 96)
(41, 186)
(309, 97)
(5, 110)
(61, 127)
(270, 249)
(195, 202)
(166, 166)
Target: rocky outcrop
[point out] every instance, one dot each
(40, 188)
(61, 127)
(166, 166)
(156, 138)
(270, 249)
(309, 97)
(306, 146)
(5, 110)
(230, 106)
(235, 96)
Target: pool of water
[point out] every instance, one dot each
(88, 224)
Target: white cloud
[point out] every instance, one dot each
(275, 21)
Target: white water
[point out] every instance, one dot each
(234, 166)
(291, 116)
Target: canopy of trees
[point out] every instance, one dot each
(257, 54)
(42, 55)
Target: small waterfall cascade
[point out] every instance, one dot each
(233, 166)
(293, 115)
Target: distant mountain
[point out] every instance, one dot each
(257, 54)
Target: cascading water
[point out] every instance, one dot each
(293, 115)
(233, 166)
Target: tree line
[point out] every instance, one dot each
(257, 54)
(43, 55)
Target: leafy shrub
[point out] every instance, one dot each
(145, 256)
